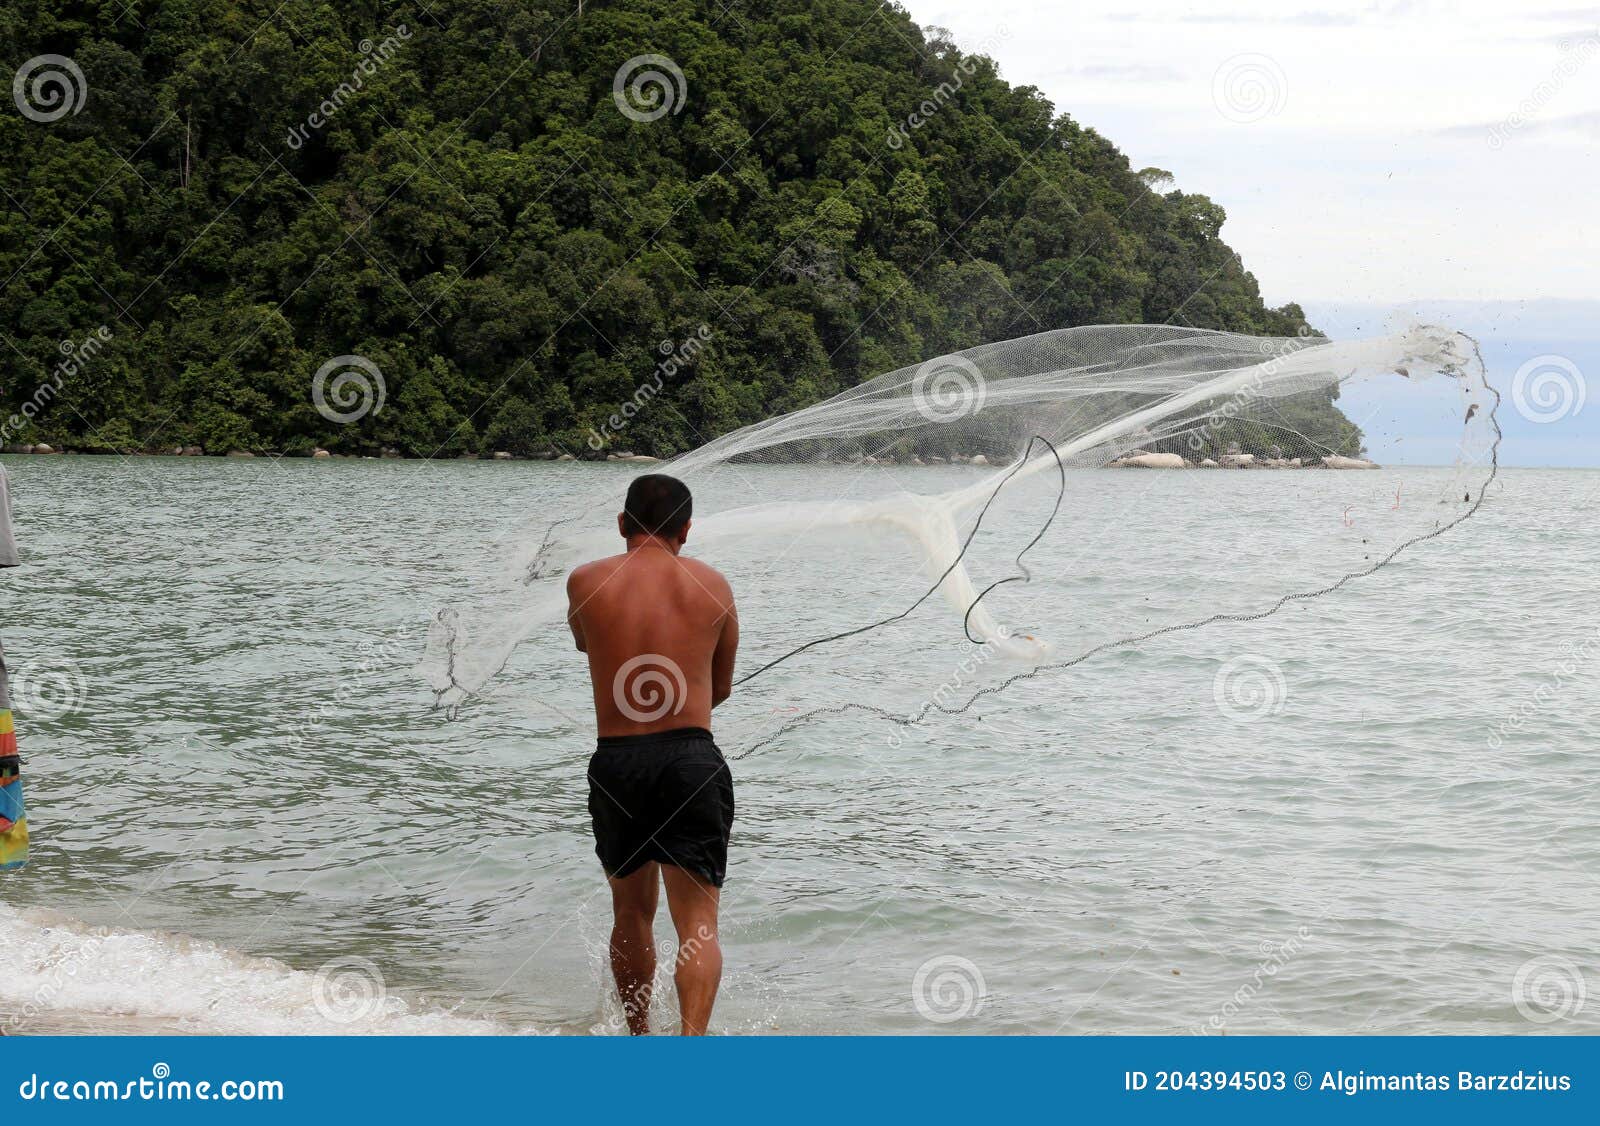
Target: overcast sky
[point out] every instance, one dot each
(1365, 152)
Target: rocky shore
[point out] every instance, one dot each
(1136, 459)
(1139, 459)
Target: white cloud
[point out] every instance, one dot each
(1375, 175)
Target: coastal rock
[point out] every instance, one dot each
(320, 452)
(1149, 461)
(641, 457)
(566, 457)
(1334, 461)
(391, 454)
(44, 448)
(979, 459)
(193, 451)
(1237, 461)
(1208, 463)
(935, 460)
(501, 455)
(240, 453)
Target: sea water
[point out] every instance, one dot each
(246, 818)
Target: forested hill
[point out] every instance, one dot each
(516, 224)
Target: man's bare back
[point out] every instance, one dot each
(660, 632)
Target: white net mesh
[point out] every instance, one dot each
(884, 513)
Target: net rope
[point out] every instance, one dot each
(1070, 401)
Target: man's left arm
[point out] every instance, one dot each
(727, 650)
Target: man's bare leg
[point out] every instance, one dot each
(633, 950)
(693, 903)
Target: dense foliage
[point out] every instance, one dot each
(834, 193)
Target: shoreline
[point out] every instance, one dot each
(1136, 459)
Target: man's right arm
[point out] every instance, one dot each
(576, 595)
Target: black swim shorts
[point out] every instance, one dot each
(666, 796)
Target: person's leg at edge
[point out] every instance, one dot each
(633, 952)
(693, 901)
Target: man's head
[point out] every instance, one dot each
(659, 506)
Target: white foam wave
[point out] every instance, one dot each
(64, 975)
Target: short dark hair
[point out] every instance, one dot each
(657, 505)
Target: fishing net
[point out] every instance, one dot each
(975, 526)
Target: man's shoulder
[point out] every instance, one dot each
(593, 571)
(704, 571)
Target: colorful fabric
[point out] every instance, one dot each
(13, 815)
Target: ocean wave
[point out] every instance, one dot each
(62, 975)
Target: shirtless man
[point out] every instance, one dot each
(660, 631)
